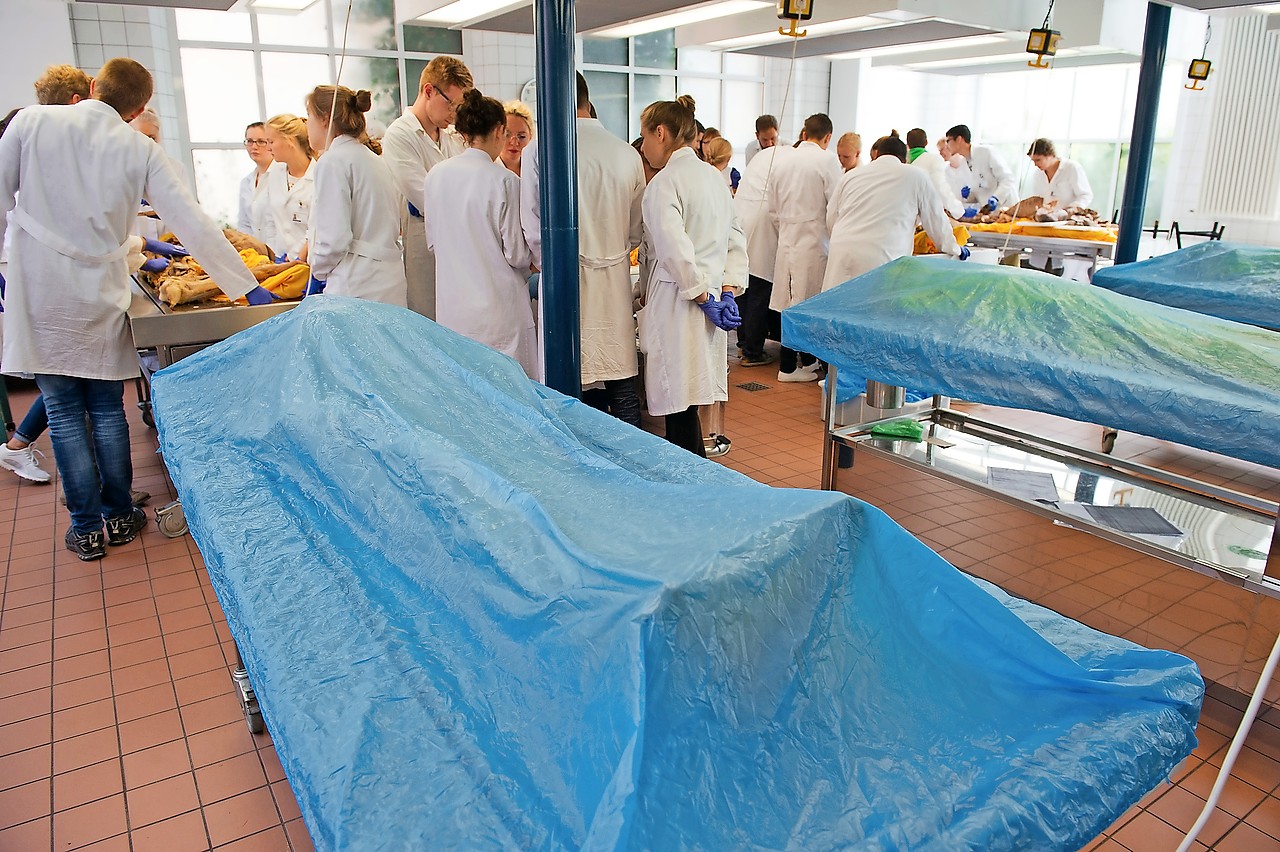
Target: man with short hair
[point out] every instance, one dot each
(611, 188)
(802, 184)
(766, 136)
(415, 142)
(992, 185)
(80, 171)
(931, 163)
(62, 84)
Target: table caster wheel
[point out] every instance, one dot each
(171, 521)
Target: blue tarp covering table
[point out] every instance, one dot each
(1226, 280)
(478, 614)
(1025, 339)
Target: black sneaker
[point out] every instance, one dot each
(87, 546)
(125, 529)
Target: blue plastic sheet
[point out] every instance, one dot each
(481, 615)
(1233, 282)
(1029, 340)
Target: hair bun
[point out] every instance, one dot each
(893, 133)
(688, 103)
(364, 100)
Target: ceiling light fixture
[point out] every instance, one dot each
(1199, 69)
(1043, 42)
(461, 11)
(704, 12)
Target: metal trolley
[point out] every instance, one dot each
(163, 336)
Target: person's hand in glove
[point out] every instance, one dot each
(993, 204)
(969, 213)
(261, 296)
(164, 249)
(964, 252)
(964, 192)
(155, 264)
(730, 311)
(314, 287)
(716, 314)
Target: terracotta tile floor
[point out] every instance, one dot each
(119, 729)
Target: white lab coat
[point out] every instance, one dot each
(411, 153)
(990, 175)
(753, 148)
(698, 248)
(482, 261)
(1070, 185)
(255, 216)
(873, 214)
(355, 225)
(81, 171)
(802, 184)
(751, 207)
(932, 164)
(610, 191)
(290, 209)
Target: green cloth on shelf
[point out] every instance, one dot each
(904, 428)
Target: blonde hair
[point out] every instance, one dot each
(688, 103)
(855, 138)
(676, 116)
(717, 151)
(59, 83)
(444, 71)
(295, 128)
(347, 109)
(521, 109)
(123, 85)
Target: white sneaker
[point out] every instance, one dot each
(23, 462)
(801, 374)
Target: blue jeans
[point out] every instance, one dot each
(93, 457)
(34, 424)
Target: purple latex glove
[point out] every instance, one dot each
(261, 296)
(964, 192)
(715, 311)
(730, 311)
(165, 249)
(964, 252)
(993, 203)
(314, 287)
(969, 213)
(155, 264)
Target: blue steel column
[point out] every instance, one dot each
(1142, 143)
(558, 164)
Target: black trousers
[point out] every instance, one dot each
(788, 358)
(618, 397)
(755, 316)
(684, 429)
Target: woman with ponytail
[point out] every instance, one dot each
(472, 207)
(354, 246)
(699, 264)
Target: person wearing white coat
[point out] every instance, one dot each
(611, 182)
(802, 185)
(414, 144)
(873, 214)
(931, 163)
(991, 181)
(354, 245)
(79, 171)
(700, 265)
(761, 233)
(251, 216)
(473, 226)
(1062, 183)
(291, 185)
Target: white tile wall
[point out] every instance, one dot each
(501, 63)
(809, 92)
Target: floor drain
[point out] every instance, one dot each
(753, 386)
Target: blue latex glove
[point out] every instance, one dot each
(964, 252)
(155, 264)
(413, 211)
(165, 249)
(261, 296)
(534, 280)
(314, 287)
(993, 203)
(969, 213)
(730, 311)
(964, 192)
(282, 257)
(716, 314)
(2, 285)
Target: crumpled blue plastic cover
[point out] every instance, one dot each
(1025, 339)
(1234, 282)
(481, 615)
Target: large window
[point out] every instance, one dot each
(248, 66)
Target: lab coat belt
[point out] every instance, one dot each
(603, 262)
(53, 240)
(374, 251)
(799, 220)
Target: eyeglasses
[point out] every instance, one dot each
(249, 143)
(447, 99)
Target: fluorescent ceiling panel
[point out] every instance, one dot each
(462, 11)
(904, 49)
(689, 15)
(890, 36)
(589, 15)
(206, 5)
